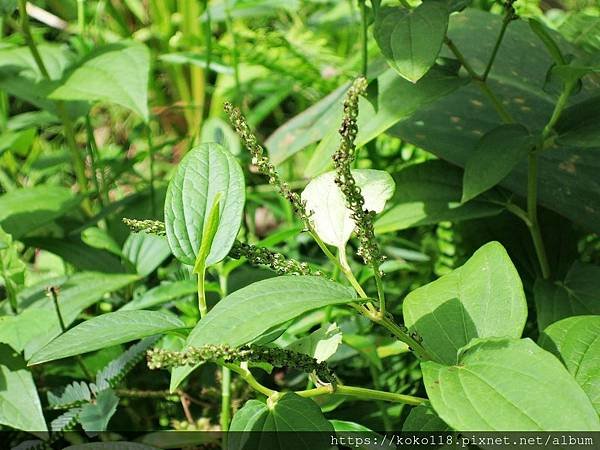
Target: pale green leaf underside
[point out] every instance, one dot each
(107, 330)
(483, 298)
(508, 385)
(245, 314)
(576, 342)
(205, 171)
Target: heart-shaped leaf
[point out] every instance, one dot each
(508, 385)
(411, 39)
(482, 298)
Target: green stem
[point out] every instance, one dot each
(234, 50)
(403, 336)
(364, 37)
(498, 106)
(60, 107)
(507, 19)
(81, 16)
(380, 290)
(243, 371)
(561, 103)
(534, 227)
(363, 393)
(151, 154)
(202, 294)
(225, 398)
(92, 153)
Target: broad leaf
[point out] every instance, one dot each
(205, 171)
(576, 342)
(146, 252)
(508, 385)
(163, 293)
(107, 330)
(582, 29)
(430, 192)
(453, 125)
(20, 405)
(494, 156)
(100, 239)
(411, 39)
(244, 315)
(27, 332)
(291, 414)
(27, 209)
(423, 418)
(578, 294)
(330, 217)
(483, 298)
(115, 73)
(217, 130)
(94, 417)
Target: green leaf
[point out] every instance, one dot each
(97, 238)
(483, 298)
(115, 73)
(94, 417)
(582, 29)
(508, 385)
(146, 252)
(330, 217)
(320, 344)
(217, 130)
(208, 236)
(578, 294)
(20, 405)
(578, 125)
(21, 77)
(367, 438)
(113, 328)
(25, 210)
(26, 332)
(451, 127)
(423, 418)
(66, 421)
(576, 342)
(259, 307)
(411, 39)
(12, 269)
(291, 414)
(494, 156)
(428, 193)
(163, 293)
(205, 172)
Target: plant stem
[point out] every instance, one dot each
(380, 290)
(234, 50)
(500, 109)
(81, 17)
(364, 37)
(363, 393)
(403, 336)
(534, 227)
(92, 153)
(243, 371)
(225, 415)
(78, 163)
(558, 109)
(508, 17)
(54, 294)
(202, 294)
(151, 154)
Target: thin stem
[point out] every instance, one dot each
(558, 109)
(342, 263)
(363, 393)
(92, 153)
(403, 336)
(243, 371)
(380, 290)
(151, 154)
(498, 106)
(81, 16)
(54, 294)
(60, 107)
(507, 19)
(364, 37)
(534, 227)
(202, 294)
(225, 398)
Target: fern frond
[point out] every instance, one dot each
(116, 370)
(66, 421)
(75, 394)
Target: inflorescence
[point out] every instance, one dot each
(260, 256)
(342, 161)
(147, 226)
(277, 357)
(262, 162)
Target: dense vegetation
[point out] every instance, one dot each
(298, 215)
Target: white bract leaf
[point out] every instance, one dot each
(330, 217)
